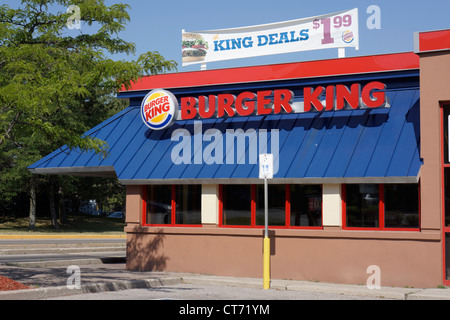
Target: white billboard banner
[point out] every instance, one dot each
(335, 30)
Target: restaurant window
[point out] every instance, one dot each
(159, 204)
(384, 206)
(401, 206)
(305, 205)
(276, 204)
(295, 206)
(362, 205)
(172, 205)
(445, 125)
(188, 204)
(446, 166)
(236, 204)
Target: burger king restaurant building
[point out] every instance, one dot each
(361, 168)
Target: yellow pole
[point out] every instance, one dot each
(266, 271)
(266, 263)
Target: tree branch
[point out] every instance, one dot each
(10, 127)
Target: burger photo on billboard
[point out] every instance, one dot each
(194, 47)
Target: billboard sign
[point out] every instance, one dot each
(335, 30)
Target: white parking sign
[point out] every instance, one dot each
(266, 166)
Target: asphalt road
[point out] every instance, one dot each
(60, 241)
(36, 250)
(34, 258)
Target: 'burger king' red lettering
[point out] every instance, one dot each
(333, 97)
(244, 104)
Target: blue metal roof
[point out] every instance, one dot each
(376, 145)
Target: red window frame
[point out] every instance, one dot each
(253, 224)
(172, 213)
(444, 165)
(381, 212)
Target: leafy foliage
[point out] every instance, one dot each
(56, 84)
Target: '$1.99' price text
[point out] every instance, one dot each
(337, 22)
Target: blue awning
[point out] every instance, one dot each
(360, 146)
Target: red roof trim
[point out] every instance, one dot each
(434, 40)
(298, 70)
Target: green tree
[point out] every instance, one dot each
(56, 83)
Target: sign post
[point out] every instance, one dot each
(266, 172)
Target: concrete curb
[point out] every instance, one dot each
(430, 294)
(353, 290)
(51, 292)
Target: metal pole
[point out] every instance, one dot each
(266, 271)
(266, 210)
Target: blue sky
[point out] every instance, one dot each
(157, 25)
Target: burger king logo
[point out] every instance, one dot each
(158, 109)
(347, 36)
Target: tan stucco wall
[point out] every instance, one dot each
(434, 89)
(404, 259)
(134, 205)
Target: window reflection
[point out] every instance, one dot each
(276, 204)
(401, 203)
(306, 205)
(362, 205)
(236, 200)
(188, 204)
(159, 204)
